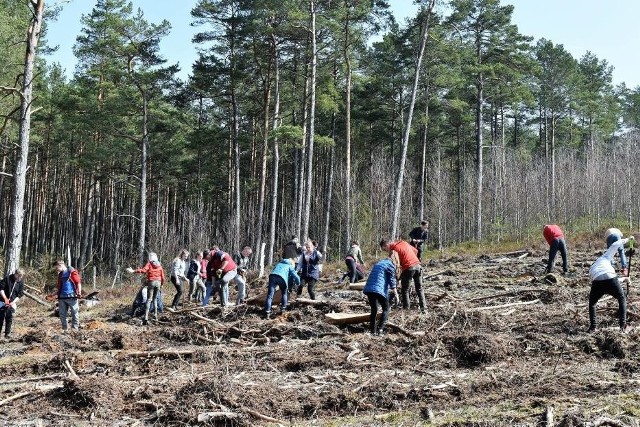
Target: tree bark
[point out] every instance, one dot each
(426, 12)
(20, 172)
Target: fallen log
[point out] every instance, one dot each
(36, 299)
(356, 286)
(347, 318)
(261, 299)
(497, 307)
(309, 301)
(216, 416)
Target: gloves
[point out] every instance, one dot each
(129, 270)
(396, 299)
(13, 306)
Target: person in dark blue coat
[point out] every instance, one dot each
(381, 279)
(280, 276)
(309, 268)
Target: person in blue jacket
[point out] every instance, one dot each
(381, 279)
(279, 278)
(309, 268)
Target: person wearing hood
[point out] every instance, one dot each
(155, 278)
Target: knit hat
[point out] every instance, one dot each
(153, 258)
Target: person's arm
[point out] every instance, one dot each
(390, 277)
(4, 296)
(75, 278)
(294, 275)
(611, 251)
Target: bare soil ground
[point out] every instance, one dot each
(500, 345)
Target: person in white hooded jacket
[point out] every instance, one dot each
(604, 280)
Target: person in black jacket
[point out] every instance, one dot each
(418, 236)
(292, 249)
(11, 290)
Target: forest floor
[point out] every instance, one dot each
(501, 344)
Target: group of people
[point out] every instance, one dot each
(604, 279)
(209, 274)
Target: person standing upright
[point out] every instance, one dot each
(179, 275)
(69, 290)
(11, 290)
(418, 236)
(555, 238)
(309, 268)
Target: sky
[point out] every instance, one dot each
(609, 29)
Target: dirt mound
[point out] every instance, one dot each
(478, 349)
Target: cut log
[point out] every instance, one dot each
(347, 318)
(216, 416)
(358, 286)
(260, 299)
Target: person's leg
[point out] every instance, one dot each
(240, 286)
(615, 290)
(208, 291)
(562, 246)
(303, 281)
(384, 303)
(312, 288)
(270, 293)
(200, 290)
(351, 268)
(373, 303)
(285, 295)
(153, 296)
(150, 300)
(62, 313)
(192, 288)
(405, 278)
(3, 314)
(178, 285)
(417, 280)
(595, 294)
(553, 250)
(359, 275)
(75, 313)
(8, 320)
(224, 289)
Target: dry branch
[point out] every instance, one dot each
(36, 299)
(38, 389)
(158, 353)
(25, 380)
(72, 373)
(507, 294)
(497, 307)
(403, 331)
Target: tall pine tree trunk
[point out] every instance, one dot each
(426, 14)
(20, 172)
(276, 154)
(312, 118)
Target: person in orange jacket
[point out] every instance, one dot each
(411, 270)
(155, 279)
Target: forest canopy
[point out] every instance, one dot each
(295, 120)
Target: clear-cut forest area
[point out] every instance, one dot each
(325, 121)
